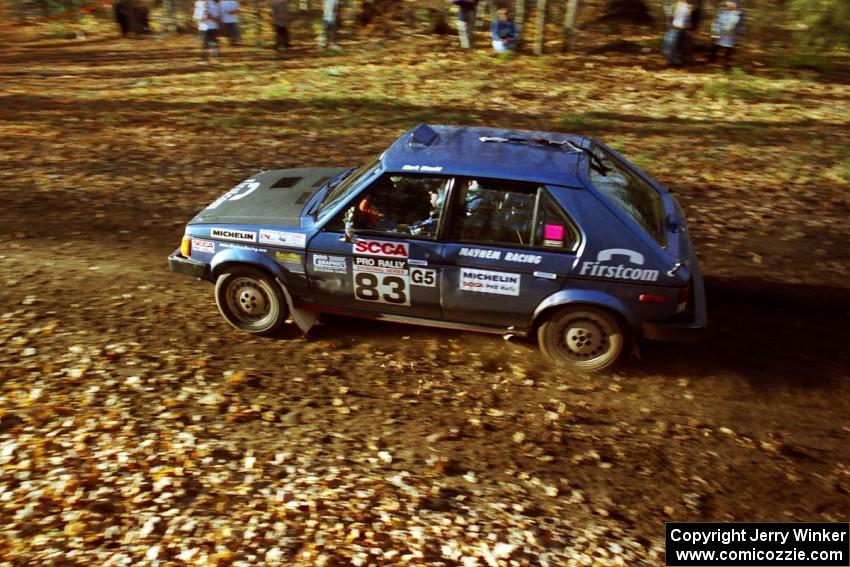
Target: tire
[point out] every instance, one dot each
(250, 300)
(585, 338)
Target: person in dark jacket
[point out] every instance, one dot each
(466, 21)
(124, 16)
(503, 31)
(280, 18)
(143, 23)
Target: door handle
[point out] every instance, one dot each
(546, 275)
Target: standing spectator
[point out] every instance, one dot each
(230, 20)
(279, 21)
(503, 31)
(330, 16)
(466, 21)
(676, 39)
(725, 29)
(696, 14)
(124, 15)
(143, 24)
(207, 15)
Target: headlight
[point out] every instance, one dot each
(186, 245)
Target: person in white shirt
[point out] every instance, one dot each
(676, 40)
(207, 15)
(330, 14)
(230, 20)
(725, 30)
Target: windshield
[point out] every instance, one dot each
(630, 193)
(341, 190)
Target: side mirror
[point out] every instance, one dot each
(348, 222)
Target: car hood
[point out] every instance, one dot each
(274, 198)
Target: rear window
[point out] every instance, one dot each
(630, 193)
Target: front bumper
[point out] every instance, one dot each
(691, 328)
(183, 265)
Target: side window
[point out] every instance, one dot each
(554, 230)
(497, 212)
(398, 204)
(503, 212)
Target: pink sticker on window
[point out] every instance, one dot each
(553, 232)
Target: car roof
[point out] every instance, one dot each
(520, 155)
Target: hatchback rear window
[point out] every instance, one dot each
(630, 193)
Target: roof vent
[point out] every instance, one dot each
(286, 182)
(423, 135)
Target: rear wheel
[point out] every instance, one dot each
(250, 300)
(586, 338)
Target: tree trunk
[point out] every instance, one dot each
(541, 27)
(258, 24)
(570, 25)
(408, 13)
(352, 12)
(170, 23)
(519, 20)
(632, 11)
(492, 6)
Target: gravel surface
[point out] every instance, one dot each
(137, 428)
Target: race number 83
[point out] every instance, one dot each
(384, 288)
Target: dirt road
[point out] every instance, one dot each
(135, 426)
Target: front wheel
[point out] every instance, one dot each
(586, 338)
(250, 300)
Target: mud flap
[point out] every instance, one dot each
(303, 319)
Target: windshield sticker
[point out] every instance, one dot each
(423, 276)
(240, 191)
(380, 248)
(232, 234)
(329, 264)
(423, 168)
(199, 245)
(278, 238)
(497, 255)
(604, 267)
(483, 281)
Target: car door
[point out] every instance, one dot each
(387, 262)
(511, 247)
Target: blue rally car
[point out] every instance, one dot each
(504, 231)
